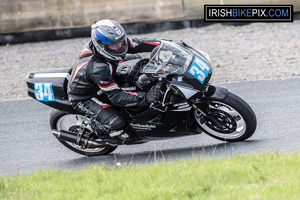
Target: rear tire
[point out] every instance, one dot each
(56, 116)
(237, 121)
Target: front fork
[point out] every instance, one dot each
(210, 93)
(200, 113)
(206, 116)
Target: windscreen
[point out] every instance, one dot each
(169, 58)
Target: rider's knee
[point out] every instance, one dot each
(111, 119)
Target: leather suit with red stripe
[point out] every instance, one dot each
(93, 72)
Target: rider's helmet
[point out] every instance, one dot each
(109, 39)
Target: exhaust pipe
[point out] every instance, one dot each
(70, 137)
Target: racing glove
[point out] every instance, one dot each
(154, 95)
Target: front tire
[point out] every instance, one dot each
(230, 119)
(61, 120)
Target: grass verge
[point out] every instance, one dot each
(264, 176)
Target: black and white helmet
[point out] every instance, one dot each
(109, 39)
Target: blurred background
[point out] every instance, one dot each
(31, 15)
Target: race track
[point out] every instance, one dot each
(27, 143)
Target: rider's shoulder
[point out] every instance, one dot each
(96, 62)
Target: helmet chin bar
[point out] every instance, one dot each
(109, 56)
(106, 55)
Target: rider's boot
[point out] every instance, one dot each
(112, 138)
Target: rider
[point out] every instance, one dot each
(96, 69)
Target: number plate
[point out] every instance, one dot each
(43, 91)
(199, 69)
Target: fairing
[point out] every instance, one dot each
(180, 65)
(169, 58)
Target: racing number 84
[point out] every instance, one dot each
(43, 91)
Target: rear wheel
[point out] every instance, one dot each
(230, 119)
(61, 120)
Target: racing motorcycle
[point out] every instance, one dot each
(190, 105)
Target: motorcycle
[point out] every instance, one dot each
(190, 104)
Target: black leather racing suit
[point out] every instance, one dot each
(91, 72)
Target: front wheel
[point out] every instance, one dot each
(61, 120)
(230, 119)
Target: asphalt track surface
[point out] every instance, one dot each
(27, 143)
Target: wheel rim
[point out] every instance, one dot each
(71, 123)
(231, 124)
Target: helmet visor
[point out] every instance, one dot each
(117, 49)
